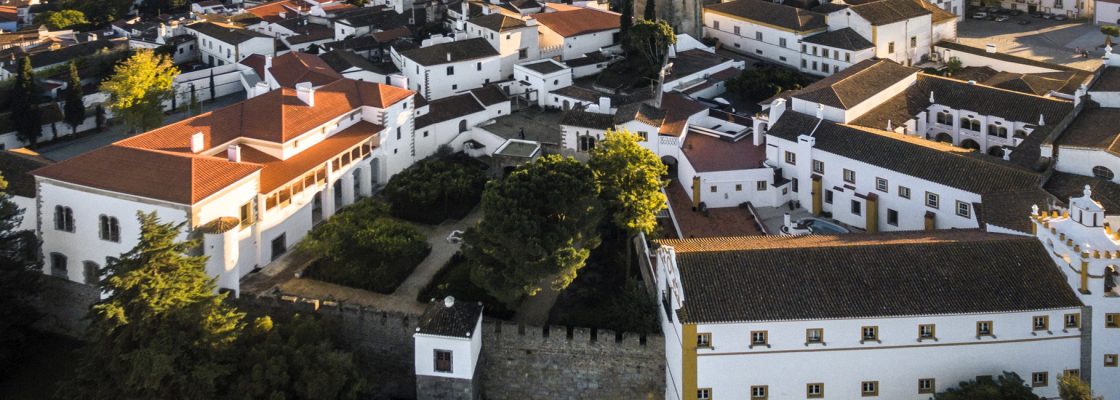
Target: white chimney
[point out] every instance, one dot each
(197, 142)
(306, 93)
(398, 80)
(283, 15)
(990, 47)
(448, 301)
(530, 21)
(448, 56)
(267, 62)
(604, 105)
(233, 152)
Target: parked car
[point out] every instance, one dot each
(1059, 17)
(1037, 15)
(1047, 16)
(1014, 13)
(1002, 18)
(980, 15)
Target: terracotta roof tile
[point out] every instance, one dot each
(578, 22)
(277, 172)
(295, 67)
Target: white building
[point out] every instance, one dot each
(15, 168)
(440, 70)
(1068, 8)
(248, 180)
(448, 342)
(535, 80)
(1082, 242)
(572, 33)
(515, 39)
(450, 120)
(846, 317)
(221, 45)
(1107, 12)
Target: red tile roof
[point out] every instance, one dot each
(256, 62)
(678, 108)
(295, 67)
(578, 22)
(277, 172)
(710, 154)
(270, 12)
(8, 14)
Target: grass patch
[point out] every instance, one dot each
(607, 295)
(454, 279)
(362, 247)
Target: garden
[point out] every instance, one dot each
(446, 186)
(454, 279)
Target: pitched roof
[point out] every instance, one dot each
(578, 22)
(276, 172)
(270, 12)
(855, 84)
(305, 31)
(295, 67)
(1109, 81)
(678, 109)
(773, 278)
(498, 22)
(640, 112)
(490, 95)
(544, 66)
(16, 167)
(770, 13)
(844, 39)
(1094, 128)
(9, 14)
(226, 34)
(449, 108)
(458, 320)
(884, 12)
(955, 167)
(689, 62)
(1008, 57)
(1065, 186)
(1012, 209)
(460, 50)
(341, 60)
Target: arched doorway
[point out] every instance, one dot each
(671, 164)
(567, 105)
(337, 194)
(996, 151)
(317, 208)
(970, 144)
(944, 138)
(91, 272)
(463, 125)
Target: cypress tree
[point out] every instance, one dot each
(74, 112)
(626, 19)
(29, 125)
(651, 11)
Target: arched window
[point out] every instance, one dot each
(1103, 173)
(586, 143)
(91, 272)
(110, 229)
(58, 265)
(463, 126)
(63, 219)
(944, 118)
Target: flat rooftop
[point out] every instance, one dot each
(709, 153)
(730, 221)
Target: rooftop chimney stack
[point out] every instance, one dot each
(306, 93)
(990, 47)
(604, 105)
(197, 143)
(234, 153)
(448, 56)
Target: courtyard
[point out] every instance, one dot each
(1040, 39)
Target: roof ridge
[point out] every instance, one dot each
(958, 81)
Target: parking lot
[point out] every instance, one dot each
(1038, 38)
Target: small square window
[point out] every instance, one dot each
(760, 186)
(1110, 360)
(892, 217)
(984, 328)
(1072, 321)
(814, 390)
(932, 200)
(927, 386)
(818, 166)
(704, 340)
(1040, 379)
(828, 196)
(814, 335)
(963, 209)
(927, 331)
(442, 360)
(1040, 322)
(1112, 320)
(791, 158)
(713, 189)
(857, 208)
(870, 333)
(881, 185)
(869, 388)
(704, 394)
(738, 187)
(903, 192)
(758, 338)
(759, 392)
(849, 176)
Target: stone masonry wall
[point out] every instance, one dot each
(64, 305)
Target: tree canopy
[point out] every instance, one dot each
(629, 178)
(539, 227)
(19, 279)
(1071, 387)
(74, 111)
(1008, 386)
(101, 11)
(138, 87)
(757, 84)
(436, 189)
(61, 19)
(651, 40)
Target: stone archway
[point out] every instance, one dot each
(671, 163)
(944, 137)
(970, 144)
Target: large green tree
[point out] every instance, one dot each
(1071, 387)
(651, 40)
(161, 330)
(19, 280)
(74, 112)
(61, 19)
(539, 227)
(629, 177)
(101, 11)
(26, 115)
(138, 87)
(435, 189)
(1008, 386)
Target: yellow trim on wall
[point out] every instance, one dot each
(688, 361)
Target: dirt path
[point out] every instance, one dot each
(442, 250)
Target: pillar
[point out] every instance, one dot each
(817, 195)
(365, 182)
(688, 362)
(931, 221)
(696, 192)
(348, 188)
(1084, 274)
(327, 198)
(872, 213)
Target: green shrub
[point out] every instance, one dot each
(436, 189)
(763, 82)
(364, 248)
(454, 279)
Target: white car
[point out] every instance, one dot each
(980, 15)
(1002, 18)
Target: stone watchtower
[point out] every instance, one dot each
(447, 344)
(684, 15)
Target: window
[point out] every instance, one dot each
(857, 208)
(1039, 379)
(703, 394)
(849, 176)
(586, 143)
(869, 333)
(760, 186)
(824, 67)
(736, 29)
(890, 47)
(793, 184)
(109, 229)
(1041, 322)
(247, 214)
(848, 57)
(818, 166)
(443, 360)
(450, 70)
(713, 189)
(758, 35)
(996, 130)
(814, 390)
(828, 196)
(881, 185)
(738, 187)
(63, 219)
(932, 200)
(927, 386)
(814, 335)
(903, 192)
(1074, 372)
(1110, 360)
(58, 265)
(91, 272)
(782, 42)
(944, 118)
(962, 209)
(984, 328)
(927, 331)
(1112, 320)
(759, 392)
(1072, 321)
(1103, 173)
(478, 66)
(704, 340)
(643, 136)
(892, 217)
(869, 388)
(715, 24)
(758, 338)
(791, 158)
(913, 41)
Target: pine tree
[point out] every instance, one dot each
(29, 125)
(650, 13)
(74, 111)
(162, 331)
(19, 279)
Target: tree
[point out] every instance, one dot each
(161, 330)
(650, 11)
(20, 276)
(195, 107)
(138, 87)
(757, 84)
(625, 19)
(538, 228)
(74, 112)
(25, 105)
(629, 178)
(953, 66)
(1008, 386)
(1071, 387)
(652, 39)
(213, 87)
(436, 189)
(294, 360)
(99, 116)
(62, 19)
(102, 11)
(1110, 30)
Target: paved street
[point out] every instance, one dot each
(1042, 39)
